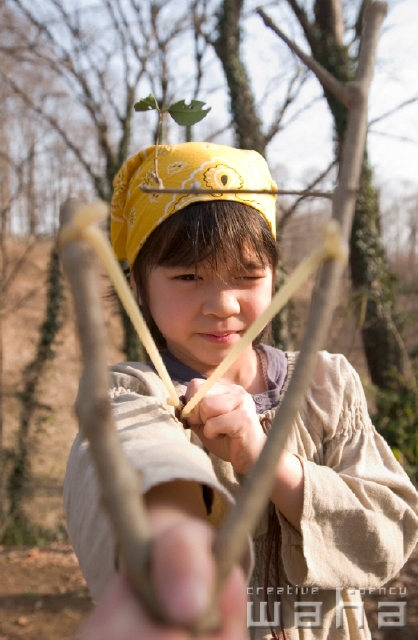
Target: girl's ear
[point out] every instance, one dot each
(134, 288)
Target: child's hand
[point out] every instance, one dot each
(226, 422)
(183, 573)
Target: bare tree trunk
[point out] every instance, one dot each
(371, 278)
(248, 129)
(132, 347)
(227, 46)
(32, 221)
(18, 478)
(3, 456)
(5, 197)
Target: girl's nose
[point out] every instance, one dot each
(221, 302)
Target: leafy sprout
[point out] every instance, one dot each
(185, 114)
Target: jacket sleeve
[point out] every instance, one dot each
(155, 444)
(359, 520)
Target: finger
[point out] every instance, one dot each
(233, 608)
(195, 383)
(119, 615)
(231, 424)
(218, 389)
(183, 571)
(225, 401)
(193, 387)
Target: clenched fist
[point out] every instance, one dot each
(226, 422)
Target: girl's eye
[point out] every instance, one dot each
(187, 277)
(248, 278)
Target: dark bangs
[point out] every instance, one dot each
(217, 232)
(214, 232)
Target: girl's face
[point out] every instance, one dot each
(202, 314)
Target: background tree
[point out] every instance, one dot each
(247, 124)
(95, 58)
(332, 34)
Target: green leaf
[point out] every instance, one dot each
(188, 114)
(146, 104)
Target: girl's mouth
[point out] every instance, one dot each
(226, 337)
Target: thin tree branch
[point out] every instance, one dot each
(19, 303)
(219, 132)
(9, 279)
(303, 108)
(327, 80)
(358, 26)
(281, 192)
(291, 95)
(394, 110)
(393, 136)
(53, 123)
(302, 18)
(290, 210)
(199, 52)
(18, 169)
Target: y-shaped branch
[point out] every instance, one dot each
(120, 485)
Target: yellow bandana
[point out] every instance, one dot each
(135, 214)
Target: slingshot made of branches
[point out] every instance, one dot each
(118, 482)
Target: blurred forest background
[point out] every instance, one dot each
(70, 74)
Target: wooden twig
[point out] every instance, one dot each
(215, 192)
(288, 212)
(155, 175)
(120, 485)
(253, 497)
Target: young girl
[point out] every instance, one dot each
(342, 512)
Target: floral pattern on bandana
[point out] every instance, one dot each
(222, 177)
(132, 217)
(176, 167)
(148, 181)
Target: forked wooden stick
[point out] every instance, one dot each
(120, 485)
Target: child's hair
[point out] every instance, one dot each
(215, 232)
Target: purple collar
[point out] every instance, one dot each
(276, 375)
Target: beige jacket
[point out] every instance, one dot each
(359, 521)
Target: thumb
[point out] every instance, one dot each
(192, 388)
(183, 570)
